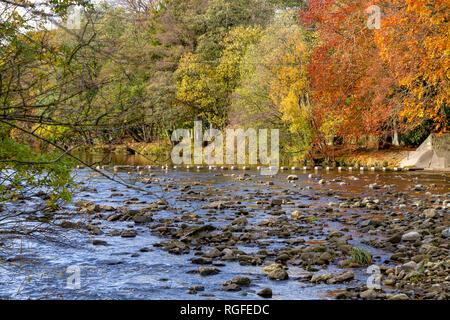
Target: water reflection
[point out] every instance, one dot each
(118, 157)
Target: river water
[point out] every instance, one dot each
(40, 265)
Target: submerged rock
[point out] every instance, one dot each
(128, 234)
(206, 271)
(265, 293)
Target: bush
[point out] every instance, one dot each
(361, 256)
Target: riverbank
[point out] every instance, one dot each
(159, 153)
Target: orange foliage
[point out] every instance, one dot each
(363, 80)
(414, 42)
(347, 76)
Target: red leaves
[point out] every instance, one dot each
(361, 76)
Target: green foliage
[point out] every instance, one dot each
(204, 90)
(418, 135)
(274, 89)
(30, 170)
(361, 256)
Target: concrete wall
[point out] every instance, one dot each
(433, 153)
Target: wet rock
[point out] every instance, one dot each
(296, 214)
(228, 255)
(292, 177)
(128, 234)
(368, 294)
(318, 278)
(283, 257)
(232, 287)
(241, 221)
(396, 238)
(114, 233)
(206, 271)
(276, 213)
(400, 296)
(409, 266)
(265, 293)
(69, 225)
(430, 213)
(411, 236)
(201, 260)
(325, 257)
(142, 219)
(197, 231)
(94, 229)
(114, 217)
(278, 275)
(333, 204)
(83, 204)
(242, 281)
(197, 288)
(335, 234)
(99, 243)
(276, 202)
(342, 277)
(420, 257)
(216, 205)
(345, 295)
(162, 202)
(272, 267)
(399, 256)
(214, 253)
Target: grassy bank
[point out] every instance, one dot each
(372, 158)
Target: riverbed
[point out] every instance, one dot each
(233, 223)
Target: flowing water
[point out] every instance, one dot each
(37, 266)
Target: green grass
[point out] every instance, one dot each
(361, 256)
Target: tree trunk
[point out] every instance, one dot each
(395, 141)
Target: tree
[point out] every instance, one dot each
(413, 41)
(351, 87)
(35, 79)
(274, 88)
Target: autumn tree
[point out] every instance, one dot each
(274, 86)
(413, 41)
(351, 87)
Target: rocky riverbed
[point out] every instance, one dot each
(233, 235)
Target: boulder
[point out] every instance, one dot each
(411, 236)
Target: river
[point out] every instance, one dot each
(38, 266)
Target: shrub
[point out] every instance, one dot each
(361, 256)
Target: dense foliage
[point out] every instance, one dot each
(140, 69)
